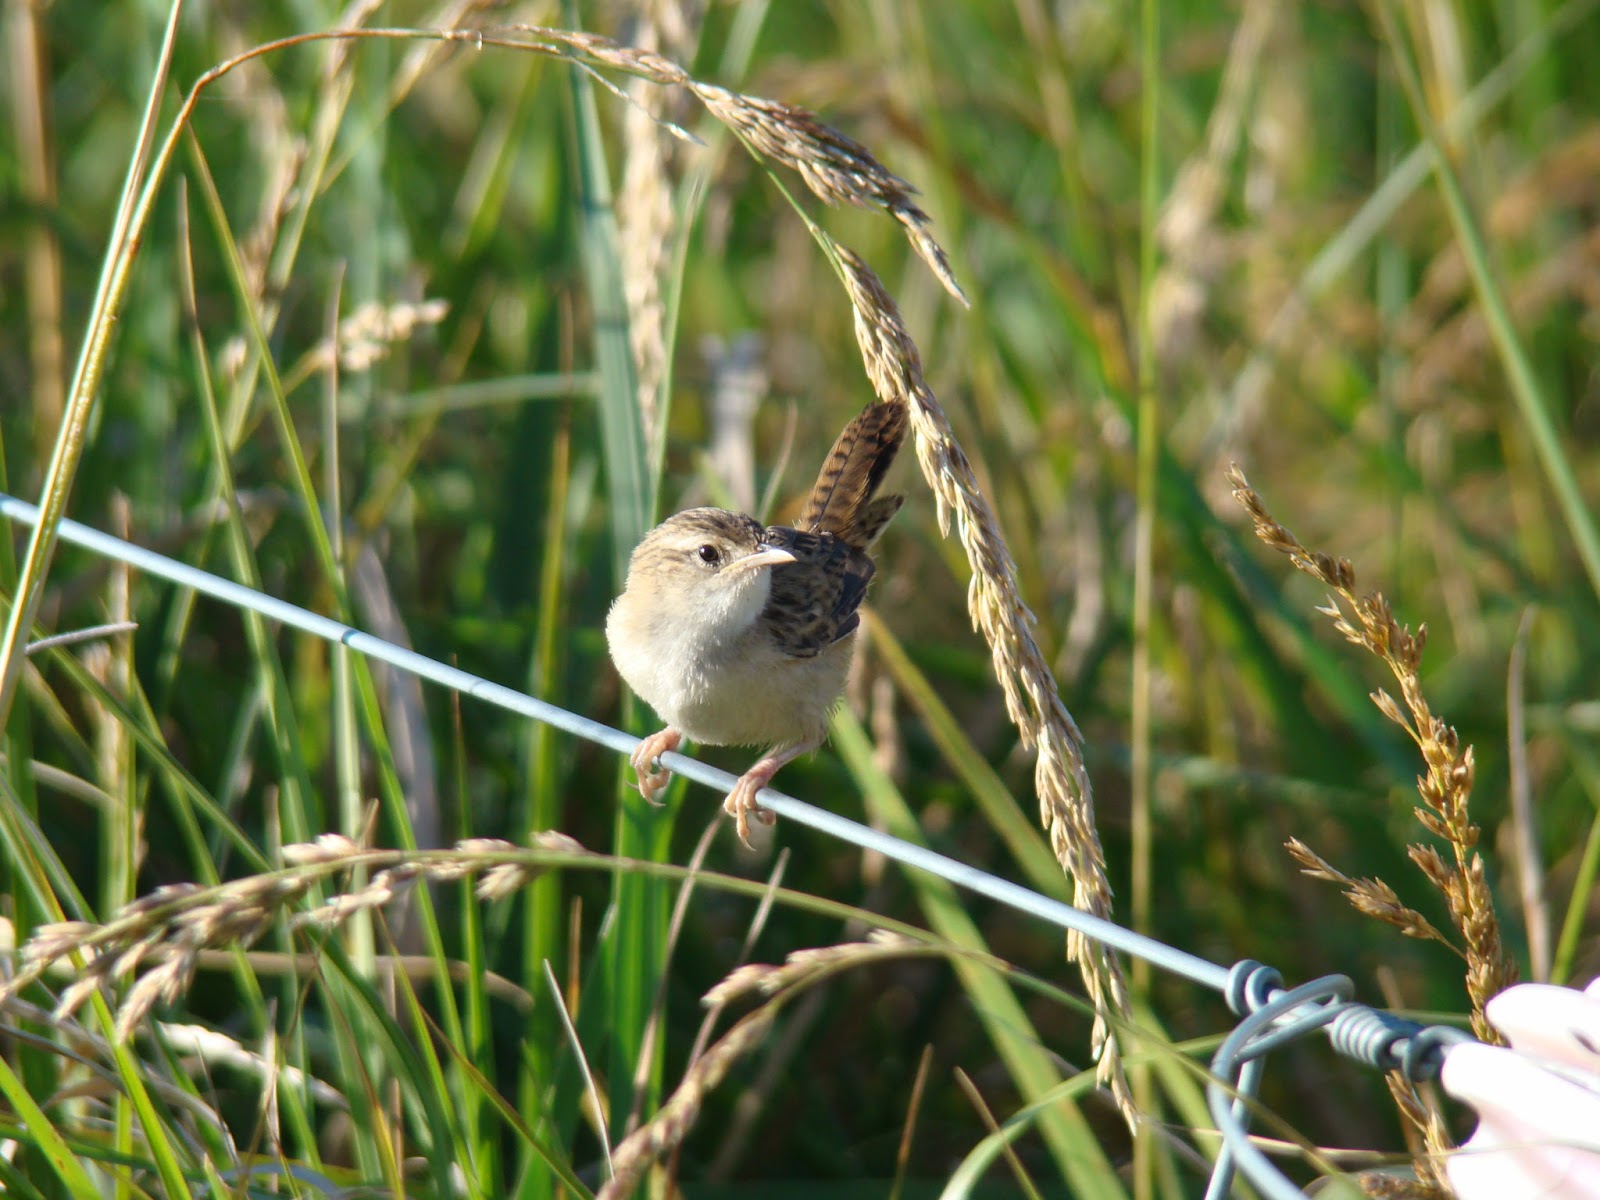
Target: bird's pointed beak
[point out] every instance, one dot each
(766, 556)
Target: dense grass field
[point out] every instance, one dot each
(423, 332)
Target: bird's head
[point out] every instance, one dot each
(706, 565)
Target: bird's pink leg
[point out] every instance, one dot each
(653, 777)
(741, 802)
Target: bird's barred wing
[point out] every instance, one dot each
(814, 599)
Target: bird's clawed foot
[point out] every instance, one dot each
(653, 777)
(741, 803)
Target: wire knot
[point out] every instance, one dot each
(1371, 1036)
(1250, 986)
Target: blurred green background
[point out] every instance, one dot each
(1290, 276)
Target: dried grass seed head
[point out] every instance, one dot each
(894, 368)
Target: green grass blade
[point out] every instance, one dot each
(1532, 405)
(1000, 809)
(132, 208)
(44, 1135)
(1073, 1146)
(542, 793)
(635, 945)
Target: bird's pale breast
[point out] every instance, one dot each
(729, 691)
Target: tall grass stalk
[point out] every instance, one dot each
(132, 206)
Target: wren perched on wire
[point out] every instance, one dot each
(739, 634)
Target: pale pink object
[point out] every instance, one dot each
(1538, 1103)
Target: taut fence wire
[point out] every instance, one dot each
(1270, 1015)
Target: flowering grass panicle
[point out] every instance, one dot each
(1366, 620)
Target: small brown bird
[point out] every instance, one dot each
(741, 635)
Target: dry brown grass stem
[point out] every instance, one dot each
(157, 940)
(1195, 252)
(1445, 788)
(646, 213)
(665, 1131)
(365, 336)
(803, 968)
(1373, 897)
(1428, 1140)
(836, 168)
(994, 601)
(776, 985)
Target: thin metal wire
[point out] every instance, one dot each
(1207, 974)
(1269, 1013)
(1241, 1057)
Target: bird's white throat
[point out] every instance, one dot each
(684, 625)
(726, 607)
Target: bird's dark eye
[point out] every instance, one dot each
(709, 554)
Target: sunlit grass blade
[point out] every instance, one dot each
(132, 208)
(38, 866)
(541, 1155)
(629, 492)
(288, 438)
(1076, 1151)
(448, 1096)
(362, 1022)
(634, 946)
(1532, 404)
(43, 1134)
(1000, 809)
(542, 771)
(968, 1176)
